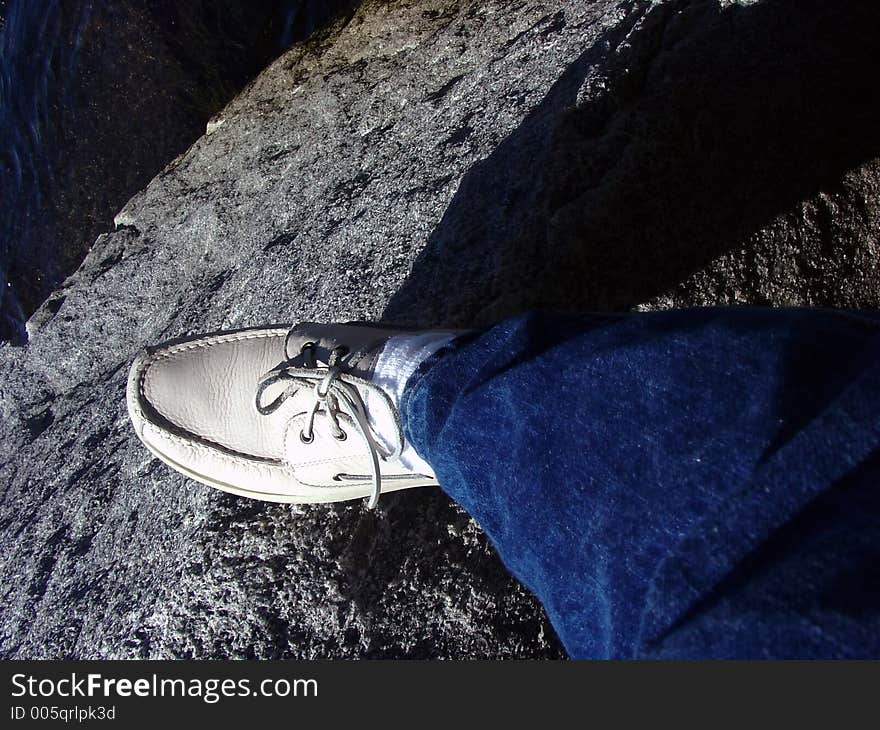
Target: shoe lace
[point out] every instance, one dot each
(335, 392)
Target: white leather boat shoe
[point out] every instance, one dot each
(286, 415)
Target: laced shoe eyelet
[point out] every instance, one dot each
(341, 436)
(306, 439)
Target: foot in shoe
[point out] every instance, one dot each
(302, 414)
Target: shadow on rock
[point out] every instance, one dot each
(671, 141)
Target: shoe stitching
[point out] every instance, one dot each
(261, 469)
(210, 341)
(268, 467)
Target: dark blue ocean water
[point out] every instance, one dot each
(96, 96)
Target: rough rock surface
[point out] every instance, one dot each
(430, 162)
(96, 97)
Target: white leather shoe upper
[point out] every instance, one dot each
(193, 404)
(204, 386)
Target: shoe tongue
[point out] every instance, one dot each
(361, 346)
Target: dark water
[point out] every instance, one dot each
(96, 96)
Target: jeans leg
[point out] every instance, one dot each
(688, 483)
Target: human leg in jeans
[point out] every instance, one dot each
(700, 483)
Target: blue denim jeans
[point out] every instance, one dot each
(698, 483)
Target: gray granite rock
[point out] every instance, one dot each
(427, 162)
